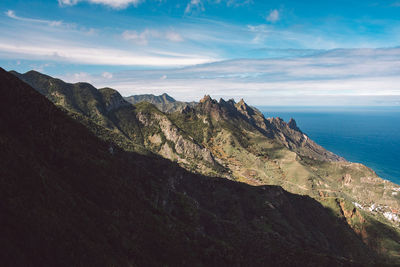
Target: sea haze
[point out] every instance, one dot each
(368, 135)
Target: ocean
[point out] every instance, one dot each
(368, 135)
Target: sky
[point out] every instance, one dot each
(304, 53)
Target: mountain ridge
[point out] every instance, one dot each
(235, 141)
(163, 102)
(83, 201)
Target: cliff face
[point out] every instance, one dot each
(235, 141)
(69, 198)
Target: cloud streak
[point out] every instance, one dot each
(92, 56)
(116, 4)
(194, 6)
(334, 77)
(11, 14)
(143, 38)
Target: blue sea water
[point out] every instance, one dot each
(368, 135)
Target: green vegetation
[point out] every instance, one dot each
(163, 102)
(235, 141)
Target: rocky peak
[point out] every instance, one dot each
(208, 103)
(209, 106)
(231, 102)
(245, 109)
(293, 125)
(241, 105)
(167, 98)
(206, 98)
(187, 109)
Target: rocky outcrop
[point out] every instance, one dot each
(291, 137)
(288, 134)
(184, 146)
(293, 125)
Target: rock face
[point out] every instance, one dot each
(175, 145)
(235, 141)
(293, 125)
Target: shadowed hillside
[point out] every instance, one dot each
(235, 141)
(69, 198)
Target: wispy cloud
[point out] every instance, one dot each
(273, 16)
(237, 3)
(67, 2)
(194, 6)
(173, 36)
(11, 14)
(92, 56)
(107, 75)
(143, 38)
(334, 77)
(396, 4)
(116, 4)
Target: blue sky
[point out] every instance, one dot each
(268, 52)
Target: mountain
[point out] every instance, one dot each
(235, 141)
(163, 102)
(141, 127)
(69, 198)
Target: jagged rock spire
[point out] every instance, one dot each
(205, 98)
(293, 125)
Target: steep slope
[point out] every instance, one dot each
(141, 128)
(71, 199)
(79, 97)
(163, 102)
(235, 141)
(263, 151)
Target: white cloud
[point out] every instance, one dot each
(336, 77)
(273, 16)
(117, 4)
(11, 14)
(173, 36)
(138, 38)
(81, 77)
(40, 67)
(144, 37)
(107, 75)
(67, 2)
(238, 3)
(194, 5)
(93, 55)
